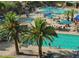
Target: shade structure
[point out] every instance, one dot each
(76, 18)
(65, 22)
(47, 14)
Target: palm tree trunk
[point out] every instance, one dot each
(16, 46)
(16, 43)
(68, 18)
(40, 47)
(72, 17)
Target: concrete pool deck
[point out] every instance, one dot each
(70, 32)
(10, 50)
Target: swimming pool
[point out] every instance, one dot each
(65, 41)
(53, 10)
(51, 16)
(27, 20)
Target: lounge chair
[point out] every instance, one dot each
(63, 29)
(23, 45)
(78, 30)
(66, 29)
(76, 54)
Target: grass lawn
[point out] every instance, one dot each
(7, 57)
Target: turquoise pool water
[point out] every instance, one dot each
(27, 20)
(65, 41)
(53, 10)
(51, 16)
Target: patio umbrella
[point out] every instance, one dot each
(65, 22)
(47, 14)
(76, 18)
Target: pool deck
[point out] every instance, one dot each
(33, 50)
(70, 32)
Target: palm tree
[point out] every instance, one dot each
(67, 13)
(11, 6)
(2, 6)
(39, 32)
(72, 12)
(10, 30)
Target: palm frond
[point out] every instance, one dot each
(40, 30)
(49, 38)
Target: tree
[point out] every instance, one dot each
(10, 29)
(11, 6)
(2, 6)
(72, 12)
(67, 13)
(39, 32)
